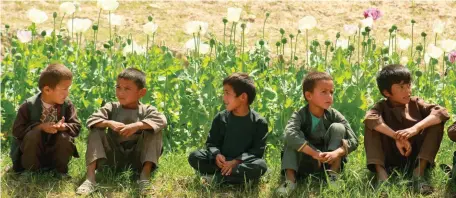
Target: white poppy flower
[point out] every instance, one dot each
(448, 45)
(79, 25)
(307, 23)
(367, 22)
(194, 27)
(190, 46)
(234, 14)
(36, 16)
(24, 36)
(116, 20)
(434, 51)
(108, 5)
(404, 43)
(204, 48)
(138, 49)
(68, 8)
(427, 58)
(438, 26)
(150, 28)
(350, 29)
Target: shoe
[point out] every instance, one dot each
(422, 186)
(286, 188)
(86, 188)
(145, 187)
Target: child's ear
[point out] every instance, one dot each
(142, 92)
(46, 89)
(244, 97)
(386, 93)
(307, 95)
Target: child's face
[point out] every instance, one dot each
(59, 93)
(400, 93)
(322, 95)
(128, 93)
(230, 99)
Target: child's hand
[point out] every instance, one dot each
(220, 160)
(404, 147)
(228, 167)
(116, 126)
(60, 126)
(407, 133)
(319, 157)
(48, 127)
(329, 157)
(129, 129)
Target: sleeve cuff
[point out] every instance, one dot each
(91, 123)
(302, 146)
(214, 151)
(372, 123)
(441, 113)
(154, 126)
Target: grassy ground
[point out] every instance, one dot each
(175, 178)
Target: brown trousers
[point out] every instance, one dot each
(103, 148)
(382, 150)
(40, 149)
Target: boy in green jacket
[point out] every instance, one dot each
(317, 137)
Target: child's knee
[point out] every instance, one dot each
(194, 157)
(261, 164)
(32, 137)
(63, 140)
(337, 128)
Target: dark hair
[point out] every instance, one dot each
(311, 79)
(53, 74)
(135, 75)
(241, 83)
(392, 74)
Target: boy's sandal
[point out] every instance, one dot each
(86, 188)
(423, 187)
(145, 187)
(207, 179)
(286, 188)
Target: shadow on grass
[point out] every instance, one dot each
(111, 183)
(34, 184)
(250, 189)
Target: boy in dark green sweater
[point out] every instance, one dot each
(237, 139)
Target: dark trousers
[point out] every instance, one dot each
(40, 150)
(382, 150)
(250, 170)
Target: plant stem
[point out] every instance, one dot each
(61, 21)
(307, 47)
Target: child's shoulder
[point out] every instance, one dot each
(257, 118)
(110, 105)
(416, 99)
